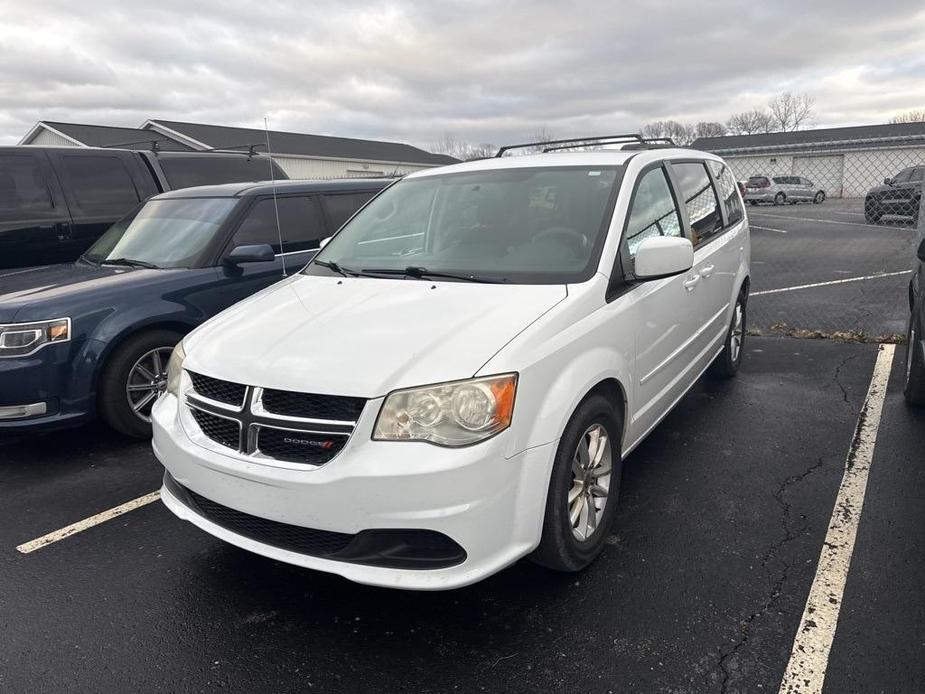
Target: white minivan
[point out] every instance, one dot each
(453, 382)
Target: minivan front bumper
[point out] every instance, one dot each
(473, 498)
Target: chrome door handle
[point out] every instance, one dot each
(706, 271)
(690, 283)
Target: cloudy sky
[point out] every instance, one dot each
(484, 71)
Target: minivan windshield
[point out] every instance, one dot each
(162, 233)
(542, 225)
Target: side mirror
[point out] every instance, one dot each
(921, 252)
(663, 256)
(324, 242)
(888, 181)
(256, 253)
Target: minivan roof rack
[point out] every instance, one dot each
(630, 140)
(251, 149)
(152, 141)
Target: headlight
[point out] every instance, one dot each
(175, 368)
(448, 414)
(21, 339)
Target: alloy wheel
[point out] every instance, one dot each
(738, 332)
(147, 379)
(592, 466)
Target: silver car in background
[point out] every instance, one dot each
(782, 189)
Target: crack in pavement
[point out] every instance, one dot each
(775, 581)
(838, 369)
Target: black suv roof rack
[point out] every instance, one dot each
(630, 141)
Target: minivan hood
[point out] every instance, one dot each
(364, 336)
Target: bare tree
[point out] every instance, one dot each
(915, 116)
(678, 132)
(749, 122)
(462, 150)
(791, 111)
(709, 129)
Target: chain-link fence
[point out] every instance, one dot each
(834, 236)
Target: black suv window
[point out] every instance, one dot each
(23, 191)
(917, 175)
(99, 184)
(699, 198)
(341, 206)
(728, 191)
(299, 221)
(201, 170)
(653, 211)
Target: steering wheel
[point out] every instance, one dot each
(574, 239)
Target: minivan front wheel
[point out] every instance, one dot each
(727, 362)
(914, 382)
(819, 198)
(780, 199)
(583, 487)
(133, 378)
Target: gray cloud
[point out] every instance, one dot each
(486, 71)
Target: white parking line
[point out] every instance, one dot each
(824, 221)
(809, 657)
(830, 282)
(755, 226)
(87, 523)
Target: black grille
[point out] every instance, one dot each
(224, 431)
(282, 535)
(222, 391)
(299, 446)
(312, 406)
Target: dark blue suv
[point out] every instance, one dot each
(93, 337)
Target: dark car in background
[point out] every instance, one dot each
(56, 201)
(94, 336)
(914, 383)
(899, 196)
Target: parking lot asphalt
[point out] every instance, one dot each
(723, 513)
(863, 269)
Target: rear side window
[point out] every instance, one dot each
(185, 172)
(699, 199)
(99, 184)
(758, 182)
(23, 191)
(341, 206)
(726, 184)
(653, 211)
(299, 221)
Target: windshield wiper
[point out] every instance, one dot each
(130, 262)
(331, 265)
(424, 273)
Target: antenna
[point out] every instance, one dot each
(279, 231)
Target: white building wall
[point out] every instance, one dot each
(49, 139)
(305, 167)
(769, 165)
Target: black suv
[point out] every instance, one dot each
(56, 201)
(900, 195)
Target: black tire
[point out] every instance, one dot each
(819, 198)
(914, 367)
(872, 212)
(780, 199)
(559, 548)
(753, 203)
(114, 406)
(727, 362)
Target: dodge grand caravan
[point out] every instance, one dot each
(453, 381)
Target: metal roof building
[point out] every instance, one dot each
(846, 162)
(300, 155)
